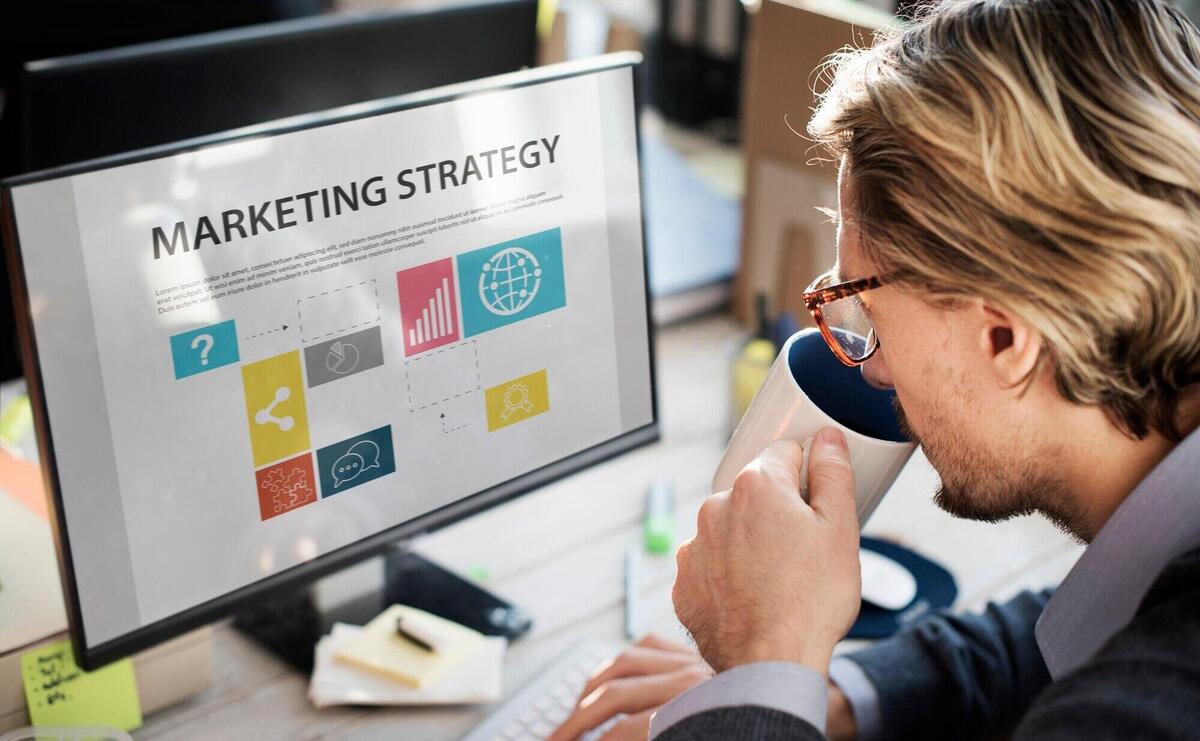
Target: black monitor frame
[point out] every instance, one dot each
(140, 96)
(302, 574)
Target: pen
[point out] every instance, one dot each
(632, 563)
(408, 634)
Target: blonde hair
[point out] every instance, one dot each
(1043, 155)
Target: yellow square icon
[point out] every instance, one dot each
(515, 400)
(275, 407)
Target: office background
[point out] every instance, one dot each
(703, 167)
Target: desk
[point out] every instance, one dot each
(559, 552)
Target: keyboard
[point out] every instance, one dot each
(544, 703)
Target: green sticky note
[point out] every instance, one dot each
(59, 693)
(15, 420)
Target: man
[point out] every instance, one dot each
(1020, 205)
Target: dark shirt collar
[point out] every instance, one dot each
(1157, 522)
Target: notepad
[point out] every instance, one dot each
(59, 693)
(478, 678)
(378, 648)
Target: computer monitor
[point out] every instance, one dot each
(259, 357)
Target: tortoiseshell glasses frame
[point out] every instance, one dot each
(852, 320)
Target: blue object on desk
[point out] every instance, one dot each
(692, 230)
(935, 589)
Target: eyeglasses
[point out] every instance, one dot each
(839, 314)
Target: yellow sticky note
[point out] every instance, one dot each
(59, 693)
(546, 12)
(378, 648)
(275, 408)
(512, 401)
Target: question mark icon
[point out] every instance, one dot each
(207, 341)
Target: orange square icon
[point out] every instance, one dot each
(285, 486)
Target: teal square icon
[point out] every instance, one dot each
(204, 349)
(510, 281)
(355, 461)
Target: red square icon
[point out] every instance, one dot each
(428, 306)
(285, 486)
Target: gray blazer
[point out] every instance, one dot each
(972, 676)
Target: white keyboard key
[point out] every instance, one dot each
(543, 704)
(564, 686)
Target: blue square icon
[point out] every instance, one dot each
(204, 349)
(510, 281)
(355, 461)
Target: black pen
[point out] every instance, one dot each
(402, 631)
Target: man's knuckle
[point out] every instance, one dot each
(605, 691)
(627, 660)
(785, 450)
(831, 460)
(747, 480)
(827, 477)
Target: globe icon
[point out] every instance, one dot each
(509, 280)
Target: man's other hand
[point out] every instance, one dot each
(769, 576)
(643, 678)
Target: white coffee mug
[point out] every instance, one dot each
(807, 390)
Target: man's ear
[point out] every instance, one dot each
(1010, 345)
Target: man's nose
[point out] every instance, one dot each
(876, 371)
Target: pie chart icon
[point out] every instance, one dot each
(342, 358)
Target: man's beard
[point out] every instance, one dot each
(978, 484)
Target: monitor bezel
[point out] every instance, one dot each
(91, 657)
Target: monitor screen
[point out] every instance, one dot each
(260, 358)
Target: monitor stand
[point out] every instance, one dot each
(290, 624)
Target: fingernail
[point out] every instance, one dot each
(831, 436)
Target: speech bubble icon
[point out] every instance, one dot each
(368, 451)
(347, 467)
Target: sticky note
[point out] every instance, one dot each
(22, 479)
(16, 418)
(378, 648)
(59, 693)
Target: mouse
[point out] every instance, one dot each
(886, 583)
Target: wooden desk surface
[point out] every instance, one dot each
(559, 553)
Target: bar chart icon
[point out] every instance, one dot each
(428, 306)
(436, 320)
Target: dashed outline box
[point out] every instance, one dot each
(322, 331)
(416, 402)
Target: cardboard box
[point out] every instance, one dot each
(784, 184)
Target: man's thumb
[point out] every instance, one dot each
(830, 478)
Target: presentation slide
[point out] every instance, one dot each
(297, 341)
